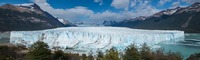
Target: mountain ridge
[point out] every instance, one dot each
(180, 18)
(25, 18)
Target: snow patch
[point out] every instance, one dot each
(24, 4)
(170, 12)
(28, 6)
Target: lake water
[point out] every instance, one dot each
(190, 46)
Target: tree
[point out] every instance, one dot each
(39, 51)
(90, 56)
(131, 53)
(195, 56)
(159, 54)
(58, 55)
(7, 53)
(174, 55)
(145, 52)
(84, 56)
(99, 55)
(112, 54)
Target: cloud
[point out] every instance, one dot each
(120, 4)
(178, 3)
(142, 8)
(133, 3)
(190, 1)
(145, 9)
(83, 14)
(162, 2)
(73, 14)
(107, 15)
(99, 1)
(175, 3)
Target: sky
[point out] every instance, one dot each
(97, 11)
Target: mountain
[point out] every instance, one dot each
(185, 18)
(65, 22)
(24, 17)
(109, 22)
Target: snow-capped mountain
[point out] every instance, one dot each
(28, 6)
(109, 22)
(166, 12)
(26, 17)
(63, 21)
(179, 18)
(140, 18)
(66, 22)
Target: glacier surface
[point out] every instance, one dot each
(84, 39)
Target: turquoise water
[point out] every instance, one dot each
(190, 46)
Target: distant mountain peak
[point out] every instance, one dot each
(63, 21)
(166, 12)
(178, 7)
(8, 6)
(179, 18)
(26, 7)
(36, 6)
(27, 16)
(194, 7)
(24, 4)
(196, 4)
(31, 7)
(140, 18)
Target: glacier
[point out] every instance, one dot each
(85, 39)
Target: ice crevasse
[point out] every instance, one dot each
(93, 38)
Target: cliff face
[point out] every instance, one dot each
(29, 17)
(85, 39)
(186, 19)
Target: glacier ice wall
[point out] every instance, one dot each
(93, 38)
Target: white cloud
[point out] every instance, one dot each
(178, 4)
(83, 14)
(145, 9)
(162, 2)
(190, 1)
(99, 1)
(175, 3)
(73, 14)
(107, 15)
(120, 4)
(142, 9)
(133, 3)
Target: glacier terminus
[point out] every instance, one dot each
(85, 39)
